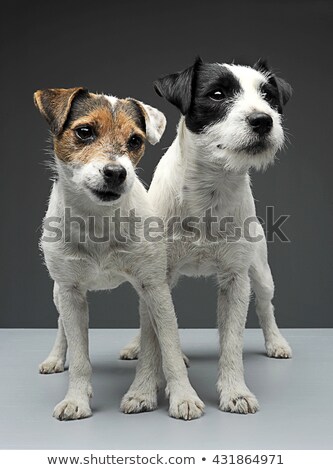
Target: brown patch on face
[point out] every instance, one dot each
(55, 104)
(115, 128)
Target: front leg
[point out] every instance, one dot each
(233, 302)
(73, 309)
(184, 402)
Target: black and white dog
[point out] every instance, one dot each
(231, 122)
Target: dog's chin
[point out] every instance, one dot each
(258, 155)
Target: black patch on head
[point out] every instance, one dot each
(192, 91)
(135, 111)
(270, 94)
(212, 80)
(277, 91)
(178, 88)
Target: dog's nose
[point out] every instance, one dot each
(261, 123)
(114, 175)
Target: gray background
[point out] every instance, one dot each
(120, 47)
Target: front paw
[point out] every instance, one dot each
(72, 408)
(138, 402)
(52, 365)
(279, 349)
(238, 401)
(185, 405)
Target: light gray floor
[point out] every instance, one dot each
(295, 396)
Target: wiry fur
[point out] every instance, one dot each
(208, 169)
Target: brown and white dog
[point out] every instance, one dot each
(98, 141)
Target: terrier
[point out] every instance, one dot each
(231, 122)
(98, 141)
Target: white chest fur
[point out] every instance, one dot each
(189, 183)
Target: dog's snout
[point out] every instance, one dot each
(261, 123)
(114, 175)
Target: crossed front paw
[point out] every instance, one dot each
(72, 408)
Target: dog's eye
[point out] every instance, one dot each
(134, 142)
(268, 93)
(216, 95)
(85, 133)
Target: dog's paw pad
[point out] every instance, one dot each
(52, 366)
(279, 350)
(186, 408)
(69, 409)
(138, 403)
(242, 403)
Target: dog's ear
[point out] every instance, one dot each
(178, 87)
(55, 103)
(155, 122)
(284, 89)
(262, 66)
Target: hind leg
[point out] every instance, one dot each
(55, 361)
(263, 287)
